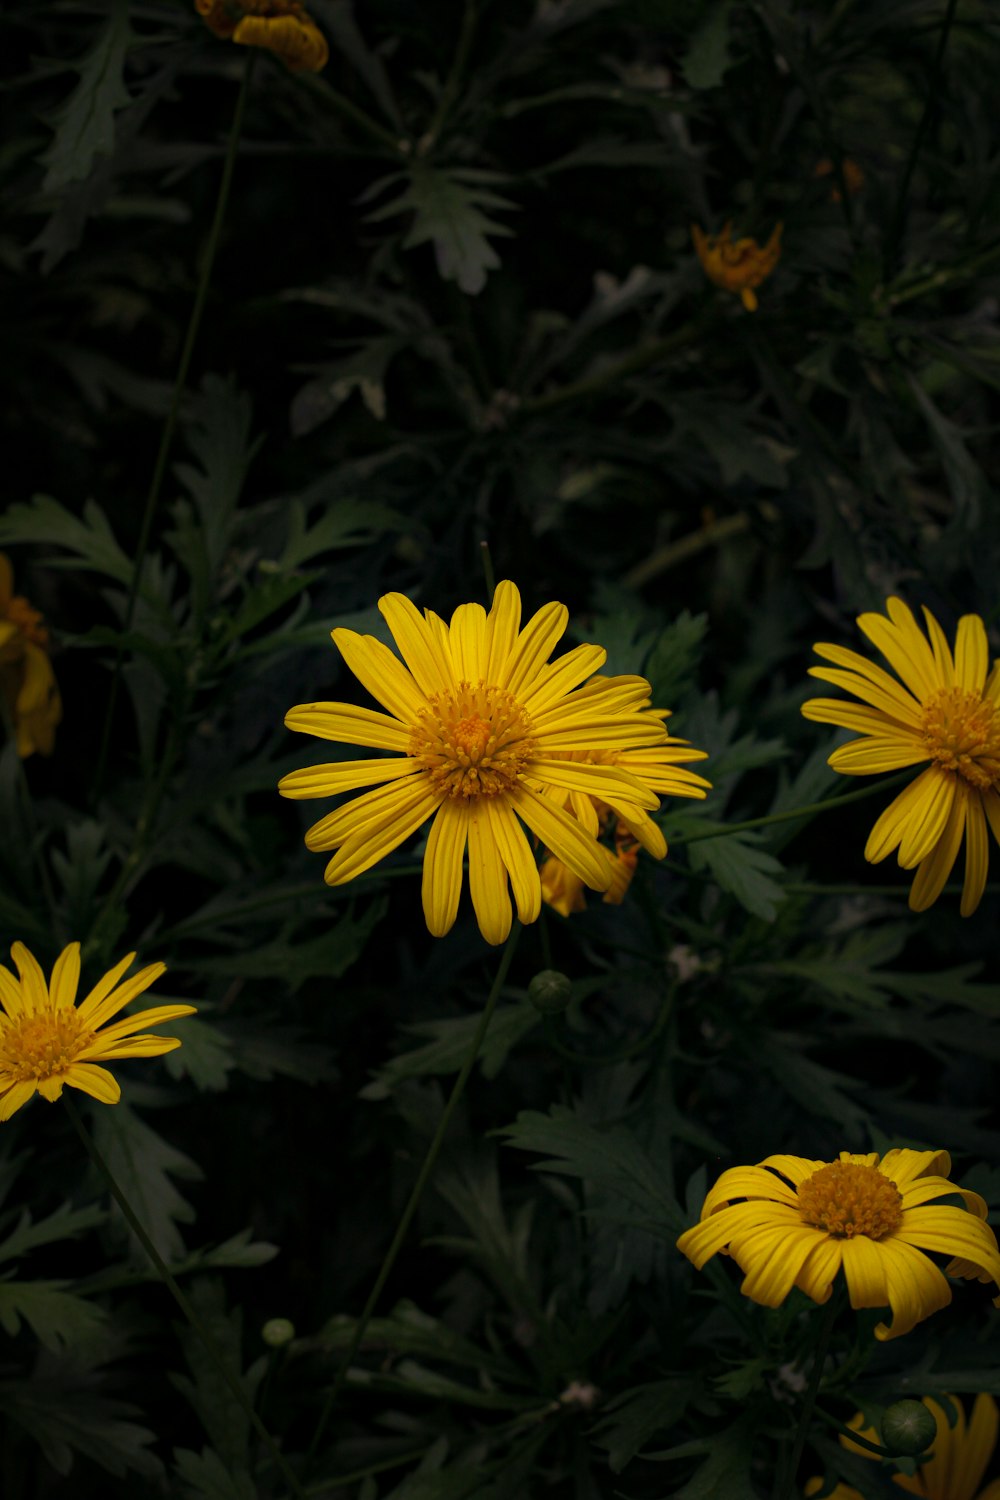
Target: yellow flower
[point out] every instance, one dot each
(281, 26)
(479, 720)
(947, 712)
(867, 1216)
(738, 265)
(27, 681)
(47, 1040)
(853, 175)
(960, 1456)
(563, 891)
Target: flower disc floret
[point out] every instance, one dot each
(846, 1199)
(475, 742)
(791, 1222)
(962, 734)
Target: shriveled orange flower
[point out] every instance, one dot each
(27, 681)
(563, 890)
(283, 27)
(854, 177)
(737, 265)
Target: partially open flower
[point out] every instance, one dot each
(27, 681)
(960, 1457)
(283, 27)
(737, 265)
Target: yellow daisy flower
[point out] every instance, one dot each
(48, 1041)
(958, 1462)
(563, 891)
(27, 681)
(801, 1221)
(283, 27)
(945, 711)
(480, 722)
(737, 265)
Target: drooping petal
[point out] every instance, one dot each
(952, 1231)
(713, 1234)
(819, 1270)
(641, 827)
(95, 1081)
(748, 1182)
(16, 1095)
(864, 1269)
(563, 837)
(935, 868)
(915, 1285)
(349, 725)
(977, 854)
(772, 1257)
(488, 879)
(796, 1168)
(442, 870)
(915, 819)
(362, 850)
(902, 1165)
(926, 1189)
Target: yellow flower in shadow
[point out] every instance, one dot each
(48, 1041)
(853, 175)
(737, 265)
(27, 681)
(958, 1462)
(283, 27)
(563, 890)
(942, 714)
(791, 1222)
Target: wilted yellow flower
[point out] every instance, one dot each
(27, 681)
(480, 722)
(48, 1041)
(283, 27)
(854, 177)
(945, 711)
(563, 891)
(956, 1467)
(800, 1222)
(737, 265)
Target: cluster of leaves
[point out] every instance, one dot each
(456, 301)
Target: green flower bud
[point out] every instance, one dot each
(549, 992)
(908, 1428)
(277, 1332)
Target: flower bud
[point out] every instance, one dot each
(908, 1428)
(549, 992)
(278, 1332)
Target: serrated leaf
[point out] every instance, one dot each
(143, 1164)
(673, 660)
(637, 1415)
(64, 1224)
(707, 55)
(447, 207)
(363, 371)
(44, 520)
(449, 1047)
(294, 959)
(56, 1317)
(85, 123)
(817, 1089)
(739, 866)
(408, 1330)
(208, 1478)
(64, 1419)
(266, 1052)
(726, 1470)
(225, 1421)
(81, 869)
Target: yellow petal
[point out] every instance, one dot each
(562, 836)
(562, 676)
(344, 776)
(488, 879)
(603, 782)
(972, 655)
(105, 985)
(796, 1168)
(903, 1166)
(382, 673)
(937, 865)
(517, 858)
(442, 871)
(846, 715)
(358, 853)
(886, 752)
(973, 1454)
(533, 647)
(468, 642)
(422, 653)
(869, 683)
(748, 1182)
(10, 993)
(819, 1270)
(349, 725)
(914, 820)
(134, 1046)
(34, 990)
(952, 1231)
(14, 1096)
(65, 976)
(977, 854)
(641, 827)
(904, 647)
(502, 626)
(156, 1015)
(95, 1081)
(370, 810)
(915, 1285)
(864, 1269)
(713, 1234)
(96, 1015)
(772, 1257)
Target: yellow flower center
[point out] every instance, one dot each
(846, 1199)
(475, 742)
(962, 733)
(42, 1045)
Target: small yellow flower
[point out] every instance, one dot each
(799, 1222)
(946, 712)
(737, 265)
(48, 1041)
(27, 681)
(563, 891)
(283, 27)
(958, 1462)
(480, 723)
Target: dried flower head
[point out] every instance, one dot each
(737, 265)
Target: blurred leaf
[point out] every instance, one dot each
(707, 56)
(294, 959)
(207, 1477)
(64, 1419)
(726, 1470)
(407, 1330)
(143, 1163)
(673, 660)
(64, 1224)
(363, 371)
(56, 1317)
(225, 1421)
(85, 122)
(449, 1047)
(739, 866)
(448, 209)
(44, 520)
(635, 1416)
(816, 1089)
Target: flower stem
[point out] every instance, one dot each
(785, 1487)
(433, 1151)
(185, 1305)
(808, 811)
(169, 426)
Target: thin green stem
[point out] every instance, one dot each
(324, 94)
(808, 811)
(486, 558)
(234, 1384)
(30, 818)
(430, 1160)
(930, 108)
(785, 1488)
(454, 77)
(856, 1437)
(639, 359)
(169, 426)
